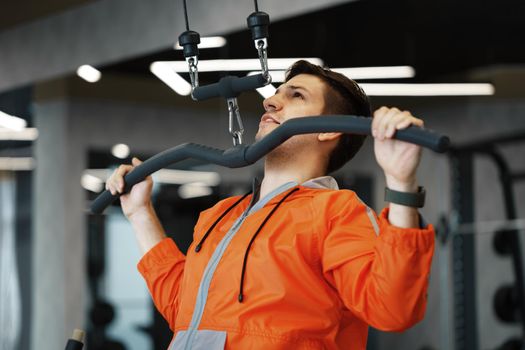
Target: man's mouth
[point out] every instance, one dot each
(267, 118)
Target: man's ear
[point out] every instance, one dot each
(328, 136)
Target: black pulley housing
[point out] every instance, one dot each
(258, 23)
(189, 40)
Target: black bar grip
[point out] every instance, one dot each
(76, 342)
(233, 157)
(424, 137)
(341, 123)
(240, 156)
(228, 87)
(74, 345)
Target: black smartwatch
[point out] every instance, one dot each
(415, 200)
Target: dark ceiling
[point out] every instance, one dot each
(21, 11)
(442, 39)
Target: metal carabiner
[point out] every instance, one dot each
(193, 71)
(262, 51)
(233, 111)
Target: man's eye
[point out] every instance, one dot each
(298, 94)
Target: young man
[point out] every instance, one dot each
(297, 264)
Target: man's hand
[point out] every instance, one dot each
(137, 206)
(138, 200)
(398, 159)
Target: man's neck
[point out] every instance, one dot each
(276, 175)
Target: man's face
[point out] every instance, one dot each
(301, 96)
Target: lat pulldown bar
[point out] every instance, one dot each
(229, 87)
(241, 155)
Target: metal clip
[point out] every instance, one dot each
(193, 71)
(262, 50)
(233, 111)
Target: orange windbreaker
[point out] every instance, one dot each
(322, 268)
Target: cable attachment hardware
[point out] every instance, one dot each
(262, 45)
(258, 23)
(189, 40)
(233, 111)
(193, 71)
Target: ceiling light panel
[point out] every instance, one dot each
(428, 89)
(89, 73)
(11, 122)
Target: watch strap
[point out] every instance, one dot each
(409, 199)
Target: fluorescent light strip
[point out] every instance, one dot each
(89, 73)
(165, 72)
(17, 164)
(267, 91)
(374, 89)
(428, 89)
(27, 134)
(358, 73)
(194, 190)
(278, 76)
(91, 182)
(412, 90)
(392, 72)
(11, 122)
(179, 177)
(277, 66)
(207, 42)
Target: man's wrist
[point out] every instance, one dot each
(144, 213)
(409, 185)
(147, 227)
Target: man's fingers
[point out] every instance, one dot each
(394, 121)
(112, 185)
(123, 169)
(119, 178)
(378, 115)
(382, 122)
(115, 183)
(405, 123)
(387, 121)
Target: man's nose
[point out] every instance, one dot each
(272, 103)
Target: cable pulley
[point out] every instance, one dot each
(189, 41)
(229, 87)
(258, 23)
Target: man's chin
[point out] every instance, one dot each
(261, 134)
(264, 131)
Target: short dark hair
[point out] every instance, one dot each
(343, 96)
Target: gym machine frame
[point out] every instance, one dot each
(506, 241)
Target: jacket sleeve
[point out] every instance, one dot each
(380, 271)
(162, 267)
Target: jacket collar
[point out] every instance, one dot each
(322, 182)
